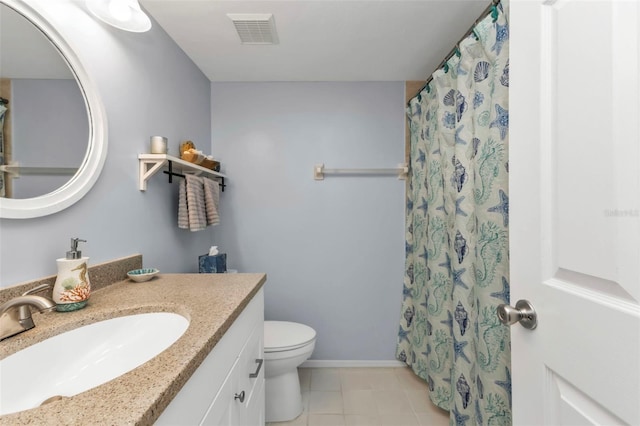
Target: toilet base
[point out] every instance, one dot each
(283, 397)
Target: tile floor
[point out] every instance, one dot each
(365, 397)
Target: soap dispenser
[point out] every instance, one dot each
(72, 288)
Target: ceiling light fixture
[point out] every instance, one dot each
(123, 14)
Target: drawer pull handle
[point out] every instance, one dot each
(239, 396)
(254, 375)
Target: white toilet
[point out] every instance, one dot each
(286, 346)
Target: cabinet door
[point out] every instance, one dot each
(224, 409)
(194, 400)
(240, 401)
(208, 397)
(251, 380)
(255, 410)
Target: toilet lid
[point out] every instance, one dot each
(284, 335)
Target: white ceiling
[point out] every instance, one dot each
(320, 40)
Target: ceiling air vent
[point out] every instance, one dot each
(255, 28)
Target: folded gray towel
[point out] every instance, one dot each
(191, 204)
(195, 203)
(183, 212)
(211, 200)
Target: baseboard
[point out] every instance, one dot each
(318, 363)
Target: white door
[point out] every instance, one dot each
(575, 210)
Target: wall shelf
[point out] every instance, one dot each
(150, 164)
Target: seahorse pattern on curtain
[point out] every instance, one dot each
(457, 258)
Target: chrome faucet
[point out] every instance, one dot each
(15, 315)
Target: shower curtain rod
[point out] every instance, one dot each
(453, 51)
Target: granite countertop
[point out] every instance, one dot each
(211, 302)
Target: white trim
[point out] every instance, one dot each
(94, 159)
(330, 363)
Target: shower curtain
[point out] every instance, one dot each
(457, 258)
(3, 111)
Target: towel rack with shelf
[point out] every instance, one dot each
(150, 164)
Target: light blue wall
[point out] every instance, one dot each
(149, 87)
(332, 249)
(49, 127)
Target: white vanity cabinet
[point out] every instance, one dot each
(228, 387)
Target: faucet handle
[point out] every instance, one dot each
(24, 313)
(37, 289)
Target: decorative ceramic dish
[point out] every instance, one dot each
(144, 274)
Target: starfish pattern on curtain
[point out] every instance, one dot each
(457, 252)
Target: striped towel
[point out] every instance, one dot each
(183, 213)
(211, 200)
(191, 204)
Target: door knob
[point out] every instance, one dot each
(524, 313)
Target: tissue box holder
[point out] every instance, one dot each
(216, 264)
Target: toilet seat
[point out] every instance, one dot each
(280, 336)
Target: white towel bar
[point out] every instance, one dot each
(401, 171)
(18, 171)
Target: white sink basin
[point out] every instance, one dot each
(83, 358)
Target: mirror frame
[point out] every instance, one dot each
(96, 154)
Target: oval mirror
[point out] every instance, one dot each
(53, 131)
